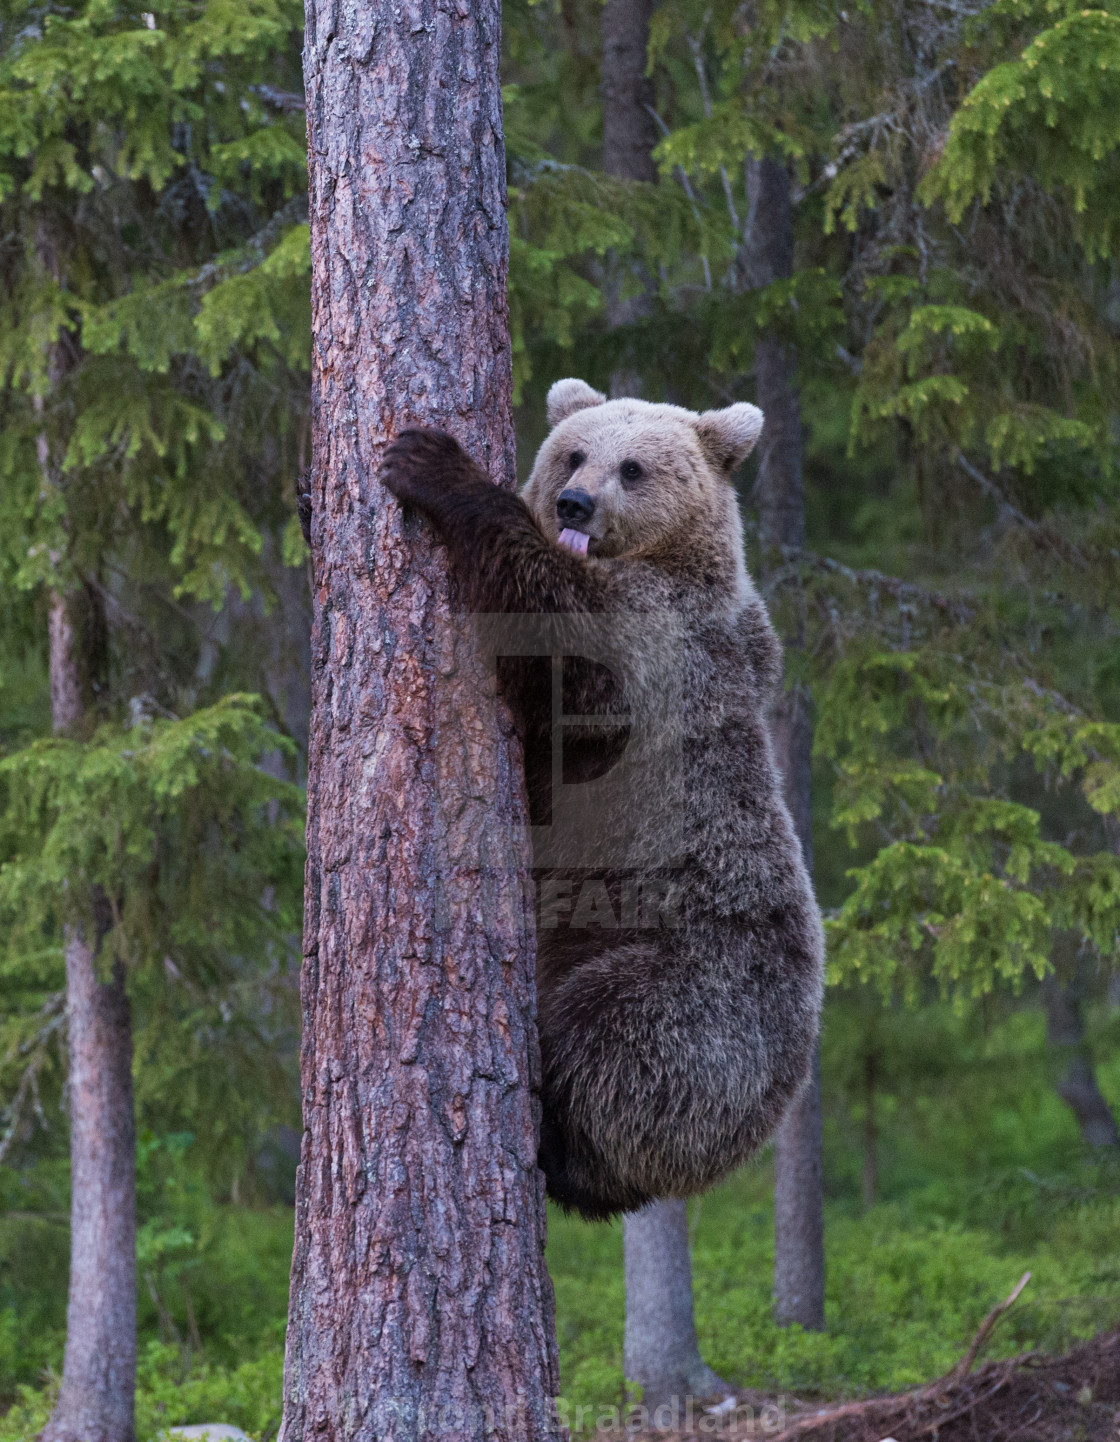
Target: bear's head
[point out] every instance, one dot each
(633, 478)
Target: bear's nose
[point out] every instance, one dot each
(574, 506)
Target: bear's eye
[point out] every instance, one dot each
(630, 471)
(576, 459)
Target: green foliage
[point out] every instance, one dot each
(213, 1278)
(982, 1181)
(196, 848)
(1052, 114)
(723, 139)
(964, 887)
(213, 1284)
(246, 1395)
(154, 347)
(804, 310)
(565, 219)
(268, 303)
(153, 299)
(169, 842)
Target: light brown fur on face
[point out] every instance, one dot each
(686, 462)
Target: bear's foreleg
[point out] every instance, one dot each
(499, 555)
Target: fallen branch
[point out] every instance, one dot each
(893, 1410)
(987, 1327)
(972, 1403)
(903, 1405)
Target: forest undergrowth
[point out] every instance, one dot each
(980, 1174)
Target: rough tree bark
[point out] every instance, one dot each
(661, 1352)
(95, 1399)
(420, 1303)
(1063, 999)
(767, 255)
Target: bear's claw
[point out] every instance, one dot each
(303, 503)
(411, 465)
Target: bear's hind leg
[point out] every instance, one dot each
(621, 1093)
(568, 1184)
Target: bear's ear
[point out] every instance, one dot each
(728, 436)
(567, 397)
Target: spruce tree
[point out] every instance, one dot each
(151, 200)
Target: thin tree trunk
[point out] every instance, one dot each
(1062, 996)
(661, 1352)
(629, 135)
(420, 1303)
(798, 1194)
(95, 1399)
(629, 129)
(765, 256)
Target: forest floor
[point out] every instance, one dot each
(981, 1178)
(1029, 1398)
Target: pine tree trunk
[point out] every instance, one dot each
(1062, 996)
(95, 1399)
(767, 255)
(420, 1303)
(661, 1352)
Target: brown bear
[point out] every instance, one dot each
(680, 952)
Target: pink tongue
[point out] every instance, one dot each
(574, 541)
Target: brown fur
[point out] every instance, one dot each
(669, 1050)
